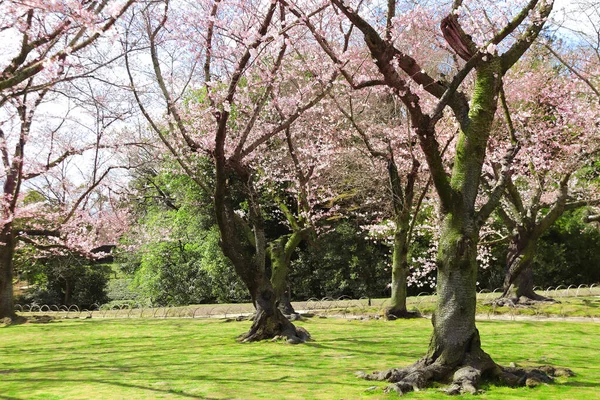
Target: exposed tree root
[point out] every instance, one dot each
(464, 378)
(392, 314)
(14, 320)
(530, 300)
(274, 327)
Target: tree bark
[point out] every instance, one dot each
(7, 250)
(455, 338)
(285, 303)
(455, 352)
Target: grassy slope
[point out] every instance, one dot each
(183, 358)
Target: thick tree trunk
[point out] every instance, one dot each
(269, 322)
(455, 354)
(522, 287)
(7, 250)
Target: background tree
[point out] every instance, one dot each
(172, 254)
(555, 118)
(50, 44)
(244, 101)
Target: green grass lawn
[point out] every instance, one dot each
(185, 358)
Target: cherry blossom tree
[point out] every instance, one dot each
(556, 119)
(48, 43)
(247, 78)
(294, 175)
(485, 41)
(382, 143)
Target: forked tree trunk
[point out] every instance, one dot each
(281, 251)
(7, 250)
(455, 352)
(269, 322)
(246, 248)
(518, 281)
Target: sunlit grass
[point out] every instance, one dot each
(185, 358)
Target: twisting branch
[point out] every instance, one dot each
(263, 99)
(365, 138)
(498, 189)
(17, 72)
(171, 107)
(328, 49)
(161, 135)
(290, 118)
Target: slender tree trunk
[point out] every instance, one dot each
(285, 303)
(402, 200)
(7, 250)
(281, 251)
(397, 308)
(67, 298)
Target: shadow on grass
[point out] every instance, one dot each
(580, 384)
(131, 366)
(334, 346)
(121, 384)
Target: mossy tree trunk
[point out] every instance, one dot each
(281, 251)
(401, 197)
(455, 340)
(402, 200)
(245, 245)
(7, 250)
(243, 242)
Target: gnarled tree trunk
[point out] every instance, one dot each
(518, 281)
(245, 246)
